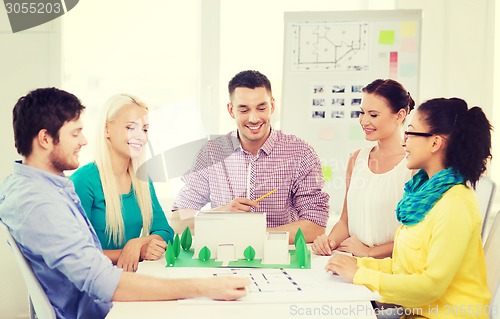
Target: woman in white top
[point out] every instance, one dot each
(375, 177)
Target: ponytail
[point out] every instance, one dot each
(470, 144)
(468, 133)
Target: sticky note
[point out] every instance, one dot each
(393, 65)
(408, 29)
(407, 69)
(327, 173)
(409, 44)
(386, 37)
(356, 133)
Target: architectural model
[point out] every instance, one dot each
(236, 239)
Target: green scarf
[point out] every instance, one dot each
(421, 193)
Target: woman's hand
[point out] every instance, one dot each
(323, 245)
(343, 265)
(354, 246)
(153, 249)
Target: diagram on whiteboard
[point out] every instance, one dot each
(330, 46)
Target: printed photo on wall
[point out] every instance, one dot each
(356, 88)
(356, 102)
(318, 89)
(338, 89)
(355, 114)
(337, 114)
(338, 102)
(318, 114)
(318, 102)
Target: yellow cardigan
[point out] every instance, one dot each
(438, 266)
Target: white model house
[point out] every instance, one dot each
(228, 234)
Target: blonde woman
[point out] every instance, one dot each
(119, 205)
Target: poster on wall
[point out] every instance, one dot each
(328, 58)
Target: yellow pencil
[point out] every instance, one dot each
(264, 196)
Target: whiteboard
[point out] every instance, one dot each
(328, 58)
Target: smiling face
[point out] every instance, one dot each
(64, 154)
(127, 132)
(377, 119)
(252, 109)
(419, 149)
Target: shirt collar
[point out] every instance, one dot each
(266, 148)
(35, 173)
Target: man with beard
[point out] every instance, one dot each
(44, 215)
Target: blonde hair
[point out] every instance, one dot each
(114, 220)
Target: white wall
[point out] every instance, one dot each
(494, 12)
(28, 60)
(456, 57)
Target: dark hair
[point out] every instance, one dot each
(249, 79)
(395, 94)
(468, 133)
(46, 108)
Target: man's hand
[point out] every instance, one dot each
(239, 204)
(224, 288)
(129, 257)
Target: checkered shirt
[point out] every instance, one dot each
(223, 171)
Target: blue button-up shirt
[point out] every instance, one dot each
(53, 232)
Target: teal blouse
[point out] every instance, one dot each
(88, 186)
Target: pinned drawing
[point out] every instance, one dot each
(332, 46)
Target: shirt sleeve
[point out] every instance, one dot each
(52, 231)
(382, 265)
(159, 224)
(309, 198)
(196, 190)
(441, 265)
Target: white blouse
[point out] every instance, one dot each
(372, 200)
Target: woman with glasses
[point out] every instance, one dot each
(375, 177)
(120, 205)
(438, 268)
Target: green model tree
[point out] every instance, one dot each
(170, 255)
(186, 239)
(249, 253)
(204, 254)
(301, 250)
(177, 245)
(299, 235)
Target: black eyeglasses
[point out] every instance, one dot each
(424, 134)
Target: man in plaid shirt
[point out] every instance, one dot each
(233, 171)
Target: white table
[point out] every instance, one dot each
(324, 296)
